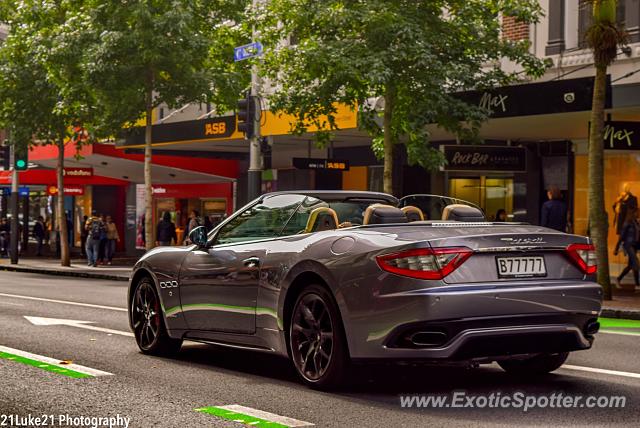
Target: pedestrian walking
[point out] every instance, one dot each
(95, 230)
(4, 237)
(166, 231)
(554, 211)
(39, 234)
(112, 238)
(102, 246)
(194, 221)
(629, 237)
(83, 236)
(626, 201)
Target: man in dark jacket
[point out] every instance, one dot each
(39, 233)
(166, 231)
(554, 211)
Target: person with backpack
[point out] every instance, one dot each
(95, 231)
(629, 235)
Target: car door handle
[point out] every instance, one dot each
(251, 262)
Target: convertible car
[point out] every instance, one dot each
(328, 278)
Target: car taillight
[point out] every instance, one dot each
(584, 255)
(425, 263)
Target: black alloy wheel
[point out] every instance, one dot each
(148, 325)
(317, 344)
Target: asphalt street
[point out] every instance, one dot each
(166, 392)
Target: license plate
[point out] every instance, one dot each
(521, 267)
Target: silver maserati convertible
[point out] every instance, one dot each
(329, 278)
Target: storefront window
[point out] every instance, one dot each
(621, 169)
(490, 193)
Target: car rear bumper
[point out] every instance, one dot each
(477, 322)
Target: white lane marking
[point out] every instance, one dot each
(621, 333)
(53, 361)
(271, 417)
(75, 323)
(65, 302)
(601, 371)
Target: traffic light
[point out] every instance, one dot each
(246, 116)
(20, 158)
(5, 157)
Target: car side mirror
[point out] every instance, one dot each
(198, 236)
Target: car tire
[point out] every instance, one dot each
(538, 365)
(316, 340)
(148, 321)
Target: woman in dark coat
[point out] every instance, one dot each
(628, 240)
(166, 231)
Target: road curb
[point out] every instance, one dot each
(55, 272)
(625, 313)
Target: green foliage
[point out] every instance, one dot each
(40, 94)
(419, 51)
(180, 50)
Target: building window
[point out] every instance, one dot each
(585, 18)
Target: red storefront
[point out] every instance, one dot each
(108, 181)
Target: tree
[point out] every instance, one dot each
(603, 37)
(412, 54)
(145, 53)
(40, 92)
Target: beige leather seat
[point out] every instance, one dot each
(383, 214)
(413, 213)
(322, 218)
(461, 212)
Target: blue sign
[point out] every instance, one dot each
(247, 51)
(22, 191)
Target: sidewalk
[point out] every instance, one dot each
(119, 271)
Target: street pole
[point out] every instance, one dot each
(15, 223)
(254, 177)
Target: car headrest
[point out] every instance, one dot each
(322, 218)
(383, 214)
(460, 212)
(413, 213)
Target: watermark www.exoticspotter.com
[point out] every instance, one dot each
(514, 400)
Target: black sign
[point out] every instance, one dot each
(190, 130)
(485, 158)
(311, 163)
(557, 96)
(621, 135)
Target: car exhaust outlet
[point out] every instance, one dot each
(592, 328)
(428, 338)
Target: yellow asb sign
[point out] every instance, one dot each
(282, 124)
(214, 129)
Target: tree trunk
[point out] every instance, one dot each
(148, 194)
(598, 222)
(63, 233)
(389, 100)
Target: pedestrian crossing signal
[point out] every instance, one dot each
(20, 159)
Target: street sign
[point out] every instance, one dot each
(314, 163)
(247, 51)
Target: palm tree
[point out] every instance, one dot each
(603, 37)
